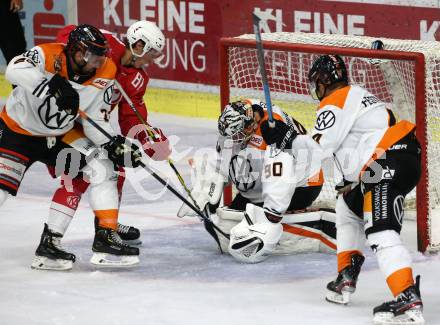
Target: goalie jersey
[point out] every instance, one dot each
(31, 110)
(262, 173)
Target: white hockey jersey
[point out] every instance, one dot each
(264, 174)
(31, 110)
(356, 128)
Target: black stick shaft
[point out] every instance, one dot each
(157, 177)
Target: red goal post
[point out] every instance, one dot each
(288, 57)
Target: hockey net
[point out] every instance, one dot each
(406, 76)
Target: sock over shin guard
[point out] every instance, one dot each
(65, 203)
(393, 258)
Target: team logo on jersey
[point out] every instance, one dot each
(51, 117)
(73, 201)
(109, 97)
(241, 174)
(116, 96)
(398, 208)
(325, 120)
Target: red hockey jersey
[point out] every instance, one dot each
(134, 81)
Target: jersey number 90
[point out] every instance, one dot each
(275, 169)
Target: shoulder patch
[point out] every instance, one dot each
(325, 120)
(33, 56)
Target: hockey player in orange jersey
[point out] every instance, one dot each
(143, 45)
(379, 158)
(53, 82)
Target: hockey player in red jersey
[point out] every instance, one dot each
(143, 45)
(355, 126)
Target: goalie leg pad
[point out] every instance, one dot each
(311, 231)
(255, 238)
(208, 187)
(226, 219)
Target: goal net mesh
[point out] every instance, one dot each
(391, 80)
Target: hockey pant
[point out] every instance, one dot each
(375, 210)
(18, 152)
(66, 198)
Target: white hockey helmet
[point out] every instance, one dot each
(147, 32)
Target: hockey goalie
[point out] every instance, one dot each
(277, 173)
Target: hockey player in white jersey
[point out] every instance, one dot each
(274, 170)
(53, 82)
(355, 126)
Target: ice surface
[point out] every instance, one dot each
(182, 278)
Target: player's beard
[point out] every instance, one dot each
(80, 68)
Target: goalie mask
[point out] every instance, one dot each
(237, 121)
(327, 70)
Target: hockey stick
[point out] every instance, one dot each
(150, 131)
(210, 228)
(260, 55)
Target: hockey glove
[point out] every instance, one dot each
(281, 134)
(123, 153)
(66, 97)
(156, 147)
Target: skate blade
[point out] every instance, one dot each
(108, 260)
(133, 242)
(45, 263)
(410, 317)
(337, 298)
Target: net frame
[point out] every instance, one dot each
(422, 203)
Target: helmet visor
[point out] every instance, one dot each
(313, 88)
(94, 60)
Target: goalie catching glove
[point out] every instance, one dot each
(123, 153)
(255, 238)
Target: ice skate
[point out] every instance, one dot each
(130, 235)
(339, 290)
(109, 250)
(50, 255)
(407, 309)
